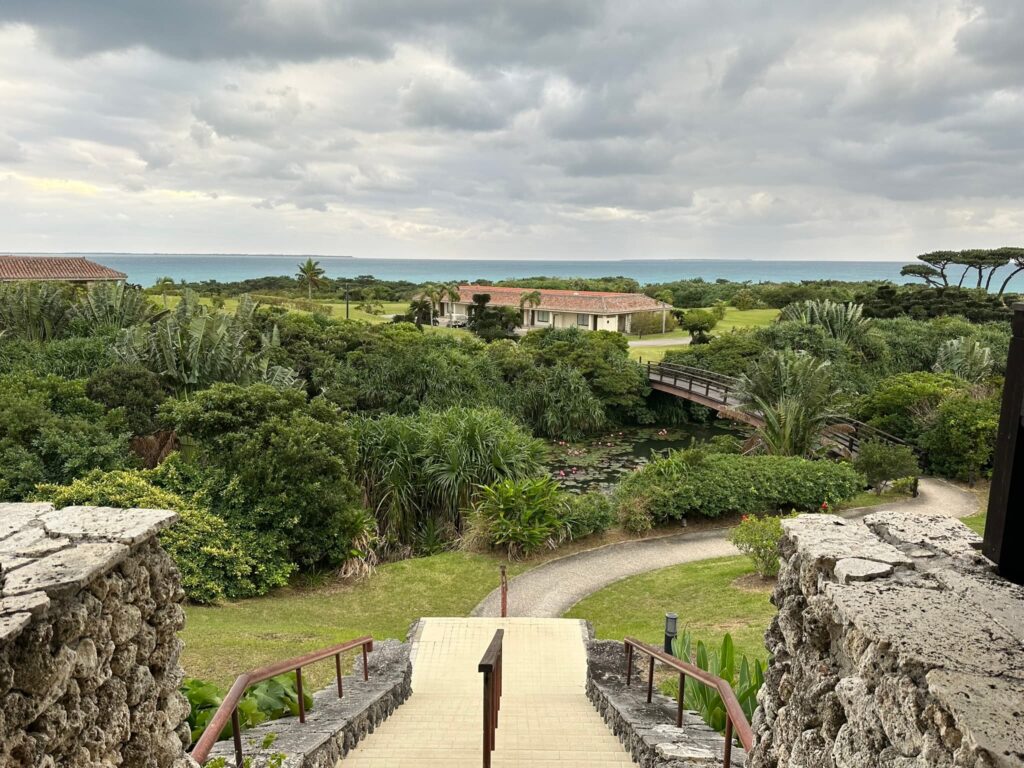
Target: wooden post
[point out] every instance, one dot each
(1004, 527)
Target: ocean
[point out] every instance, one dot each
(145, 269)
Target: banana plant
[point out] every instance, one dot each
(192, 347)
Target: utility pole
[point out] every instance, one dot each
(346, 300)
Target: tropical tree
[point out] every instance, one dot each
(843, 322)
(793, 394)
(1015, 257)
(193, 347)
(529, 299)
(164, 283)
(311, 274)
(426, 469)
(450, 293)
(420, 311)
(109, 307)
(34, 311)
(965, 358)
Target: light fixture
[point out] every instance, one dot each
(671, 628)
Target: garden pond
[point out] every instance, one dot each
(599, 462)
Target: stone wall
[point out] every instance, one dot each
(334, 725)
(89, 614)
(648, 731)
(895, 645)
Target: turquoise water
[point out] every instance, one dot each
(146, 268)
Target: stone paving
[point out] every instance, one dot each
(545, 721)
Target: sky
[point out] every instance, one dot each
(798, 129)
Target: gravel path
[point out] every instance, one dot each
(551, 589)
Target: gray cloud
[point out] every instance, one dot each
(513, 127)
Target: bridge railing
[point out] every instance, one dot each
(490, 666)
(735, 719)
(228, 710)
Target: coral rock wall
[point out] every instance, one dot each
(89, 615)
(895, 645)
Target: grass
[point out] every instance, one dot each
(706, 595)
(872, 499)
(224, 640)
(734, 320)
(653, 354)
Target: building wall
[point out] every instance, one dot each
(607, 323)
(90, 607)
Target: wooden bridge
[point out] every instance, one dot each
(722, 394)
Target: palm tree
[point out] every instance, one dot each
(794, 395)
(311, 274)
(163, 283)
(450, 293)
(531, 298)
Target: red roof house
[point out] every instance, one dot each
(590, 310)
(65, 269)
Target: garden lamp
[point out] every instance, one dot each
(671, 627)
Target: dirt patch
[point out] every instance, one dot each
(754, 583)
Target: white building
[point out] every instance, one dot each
(590, 310)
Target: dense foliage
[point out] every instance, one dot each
(215, 561)
(693, 483)
(51, 432)
(420, 472)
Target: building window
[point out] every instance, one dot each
(543, 316)
(582, 320)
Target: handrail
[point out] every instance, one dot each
(490, 666)
(228, 708)
(735, 718)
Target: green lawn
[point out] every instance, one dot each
(653, 354)
(734, 320)
(976, 522)
(704, 595)
(224, 640)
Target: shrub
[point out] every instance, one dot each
(757, 536)
(744, 299)
(35, 311)
(882, 462)
(50, 432)
(215, 561)
(634, 514)
(134, 389)
(902, 405)
(589, 513)
(962, 436)
(521, 516)
(557, 402)
(73, 358)
(691, 482)
(272, 464)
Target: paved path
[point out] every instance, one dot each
(546, 719)
(555, 587)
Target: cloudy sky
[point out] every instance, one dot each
(528, 128)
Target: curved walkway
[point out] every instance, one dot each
(551, 589)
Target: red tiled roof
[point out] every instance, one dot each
(594, 302)
(62, 268)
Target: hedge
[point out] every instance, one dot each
(693, 483)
